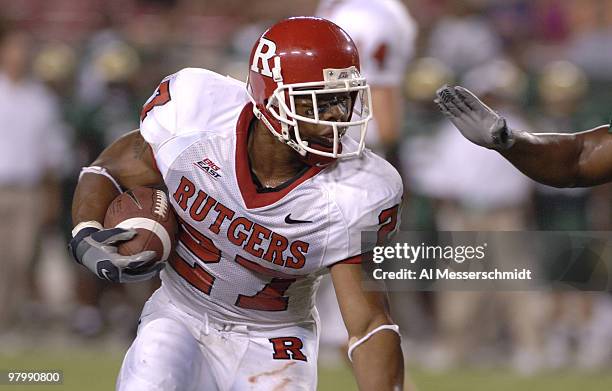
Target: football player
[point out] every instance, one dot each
(561, 160)
(269, 196)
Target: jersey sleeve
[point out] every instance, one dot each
(191, 100)
(374, 208)
(158, 114)
(187, 103)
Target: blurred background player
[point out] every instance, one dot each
(32, 162)
(579, 322)
(557, 159)
(485, 193)
(385, 34)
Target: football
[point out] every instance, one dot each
(148, 211)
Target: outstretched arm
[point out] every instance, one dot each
(564, 160)
(561, 160)
(377, 361)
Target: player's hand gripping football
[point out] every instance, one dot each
(475, 120)
(96, 250)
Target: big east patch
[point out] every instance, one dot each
(209, 167)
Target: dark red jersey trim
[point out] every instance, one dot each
(248, 189)
(355, 260)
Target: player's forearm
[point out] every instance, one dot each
(552, 159)
(378, 364)
(127, 163)
(374, 342)
(92, 197)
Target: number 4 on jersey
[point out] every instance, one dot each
(161, 97)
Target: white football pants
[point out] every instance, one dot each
(174, 351)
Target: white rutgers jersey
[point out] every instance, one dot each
(384, 33)
(245, 256)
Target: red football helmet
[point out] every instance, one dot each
(307, 57)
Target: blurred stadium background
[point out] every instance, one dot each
(545, 64)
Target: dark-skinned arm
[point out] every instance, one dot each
(564, 160)
(125, 164)
(378, 363)
(129, 161)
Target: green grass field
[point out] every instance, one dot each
(95, 370)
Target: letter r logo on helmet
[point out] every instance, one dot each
(266, 49)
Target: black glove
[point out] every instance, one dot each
(96, 249)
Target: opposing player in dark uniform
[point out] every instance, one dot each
(269, 196)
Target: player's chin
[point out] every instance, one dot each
(322, 144)
(313, 159)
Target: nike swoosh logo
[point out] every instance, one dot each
(289, 220)
(105, 274)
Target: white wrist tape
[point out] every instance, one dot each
(354, 345)
(85, 224)
(100, 171)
